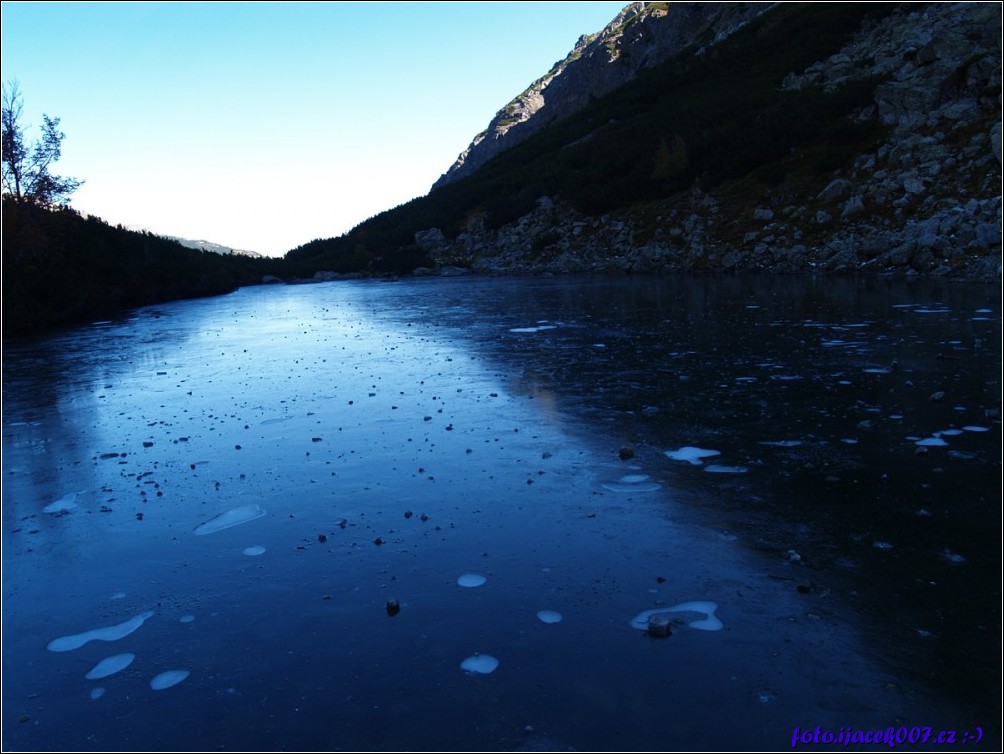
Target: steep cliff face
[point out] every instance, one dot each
(641, 36)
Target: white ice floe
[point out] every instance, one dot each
(168, 679)
(691, 455)
(549, 616)
(480, 664)
(110, 633)
(974, 428)
(254, 550)
(110, 666)
(931, 442)
(233, 517)
(709, 622)
(471, 580)
(66, 503)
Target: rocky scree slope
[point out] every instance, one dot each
(924, 198)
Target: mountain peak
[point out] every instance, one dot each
(641, 36)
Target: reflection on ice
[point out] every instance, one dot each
(232, 517)
(111, 633)
(110, 666)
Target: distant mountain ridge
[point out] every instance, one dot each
(641, 36)
(202, 245)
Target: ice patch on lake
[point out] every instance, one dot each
(974, 428)
(186, 619)
(633, 478)
(632, 483)
(953, 557)
(110, 666)
(931, 442)
(538, 328)
(97, 692)
(232, 517)
(111, 633)
(781, 443)
(471, 580)
(254, 550)
(709, 622)
(691, 455)
(718, 469)
(66, 503)
(481, 664)
(168, 678)
(549, 616)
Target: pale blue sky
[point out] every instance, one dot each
(265, 125)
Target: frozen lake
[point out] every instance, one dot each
(458, 514)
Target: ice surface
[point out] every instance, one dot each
(254, 550)
(471, 580)
(932, 442)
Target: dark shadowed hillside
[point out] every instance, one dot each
(59, 267)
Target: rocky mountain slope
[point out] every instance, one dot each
(839, 137)
(640, 37)
(921, 196)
